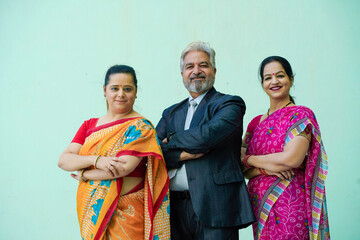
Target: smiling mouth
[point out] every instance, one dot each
(275, 88)
(197, 78)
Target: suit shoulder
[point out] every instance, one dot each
(173, 107)
(227, 97)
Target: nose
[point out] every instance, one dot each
(196, 69)
(121, 93)
(274, 79)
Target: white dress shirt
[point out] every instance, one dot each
(178, 177)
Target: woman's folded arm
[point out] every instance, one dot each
(292, 157)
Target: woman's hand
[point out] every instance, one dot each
(243, 153)
(285, 175)
(78, 175)
(113, 165)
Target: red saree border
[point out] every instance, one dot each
(150, 210)
(153, 210)
(138, 154)
(107, 218)
(161, 196)
(110, 124)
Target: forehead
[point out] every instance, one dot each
(273, 67)
(121, 79)
(196, 57)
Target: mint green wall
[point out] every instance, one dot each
(54, 54)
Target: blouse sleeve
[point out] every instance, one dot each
(81, 134)
(248, 134)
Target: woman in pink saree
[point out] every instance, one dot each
(285, 160)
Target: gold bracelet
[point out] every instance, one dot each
(82, 179)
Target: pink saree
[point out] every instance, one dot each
(296, 208)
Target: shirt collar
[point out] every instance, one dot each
(199, 98)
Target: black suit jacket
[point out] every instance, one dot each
(216, 183)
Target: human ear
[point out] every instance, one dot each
(291, 80)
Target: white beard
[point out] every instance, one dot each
(199, 86)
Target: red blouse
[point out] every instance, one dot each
(81, 134)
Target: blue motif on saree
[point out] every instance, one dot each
(165, 198)
(157, 140)
(277, 220)
(148, 122)
(168, 207)
(256, 200)
(106, 183)
(293, 117)
(97, 208)
(132, 134)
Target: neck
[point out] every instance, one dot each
(195, 95)
(112, 116)
(277, 104)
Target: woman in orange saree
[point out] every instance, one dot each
(123, 189)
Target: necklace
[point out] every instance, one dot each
(282, 107)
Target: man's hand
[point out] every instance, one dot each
(184, 156)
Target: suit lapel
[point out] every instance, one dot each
(200, 111)
(180, 115)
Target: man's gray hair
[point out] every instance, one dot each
(198, 46)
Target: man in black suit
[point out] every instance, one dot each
(201, 142)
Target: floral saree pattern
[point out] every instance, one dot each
(143, 214)
(296, 208)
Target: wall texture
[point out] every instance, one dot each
(54, 54)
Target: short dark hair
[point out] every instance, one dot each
(120, 69)
(284, 63)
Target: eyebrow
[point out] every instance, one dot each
(203, 62)
(281, 71)
(116, 85)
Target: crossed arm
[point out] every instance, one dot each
(195, 142)
(106, 167)
(279, 164)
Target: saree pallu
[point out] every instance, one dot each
(144, 214)
(296, 208)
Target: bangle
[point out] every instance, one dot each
(81, 174)
(245, 161)
(96, 161)
(262, 171)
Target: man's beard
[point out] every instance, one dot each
(199, 86)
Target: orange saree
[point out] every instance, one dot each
(144, 214)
